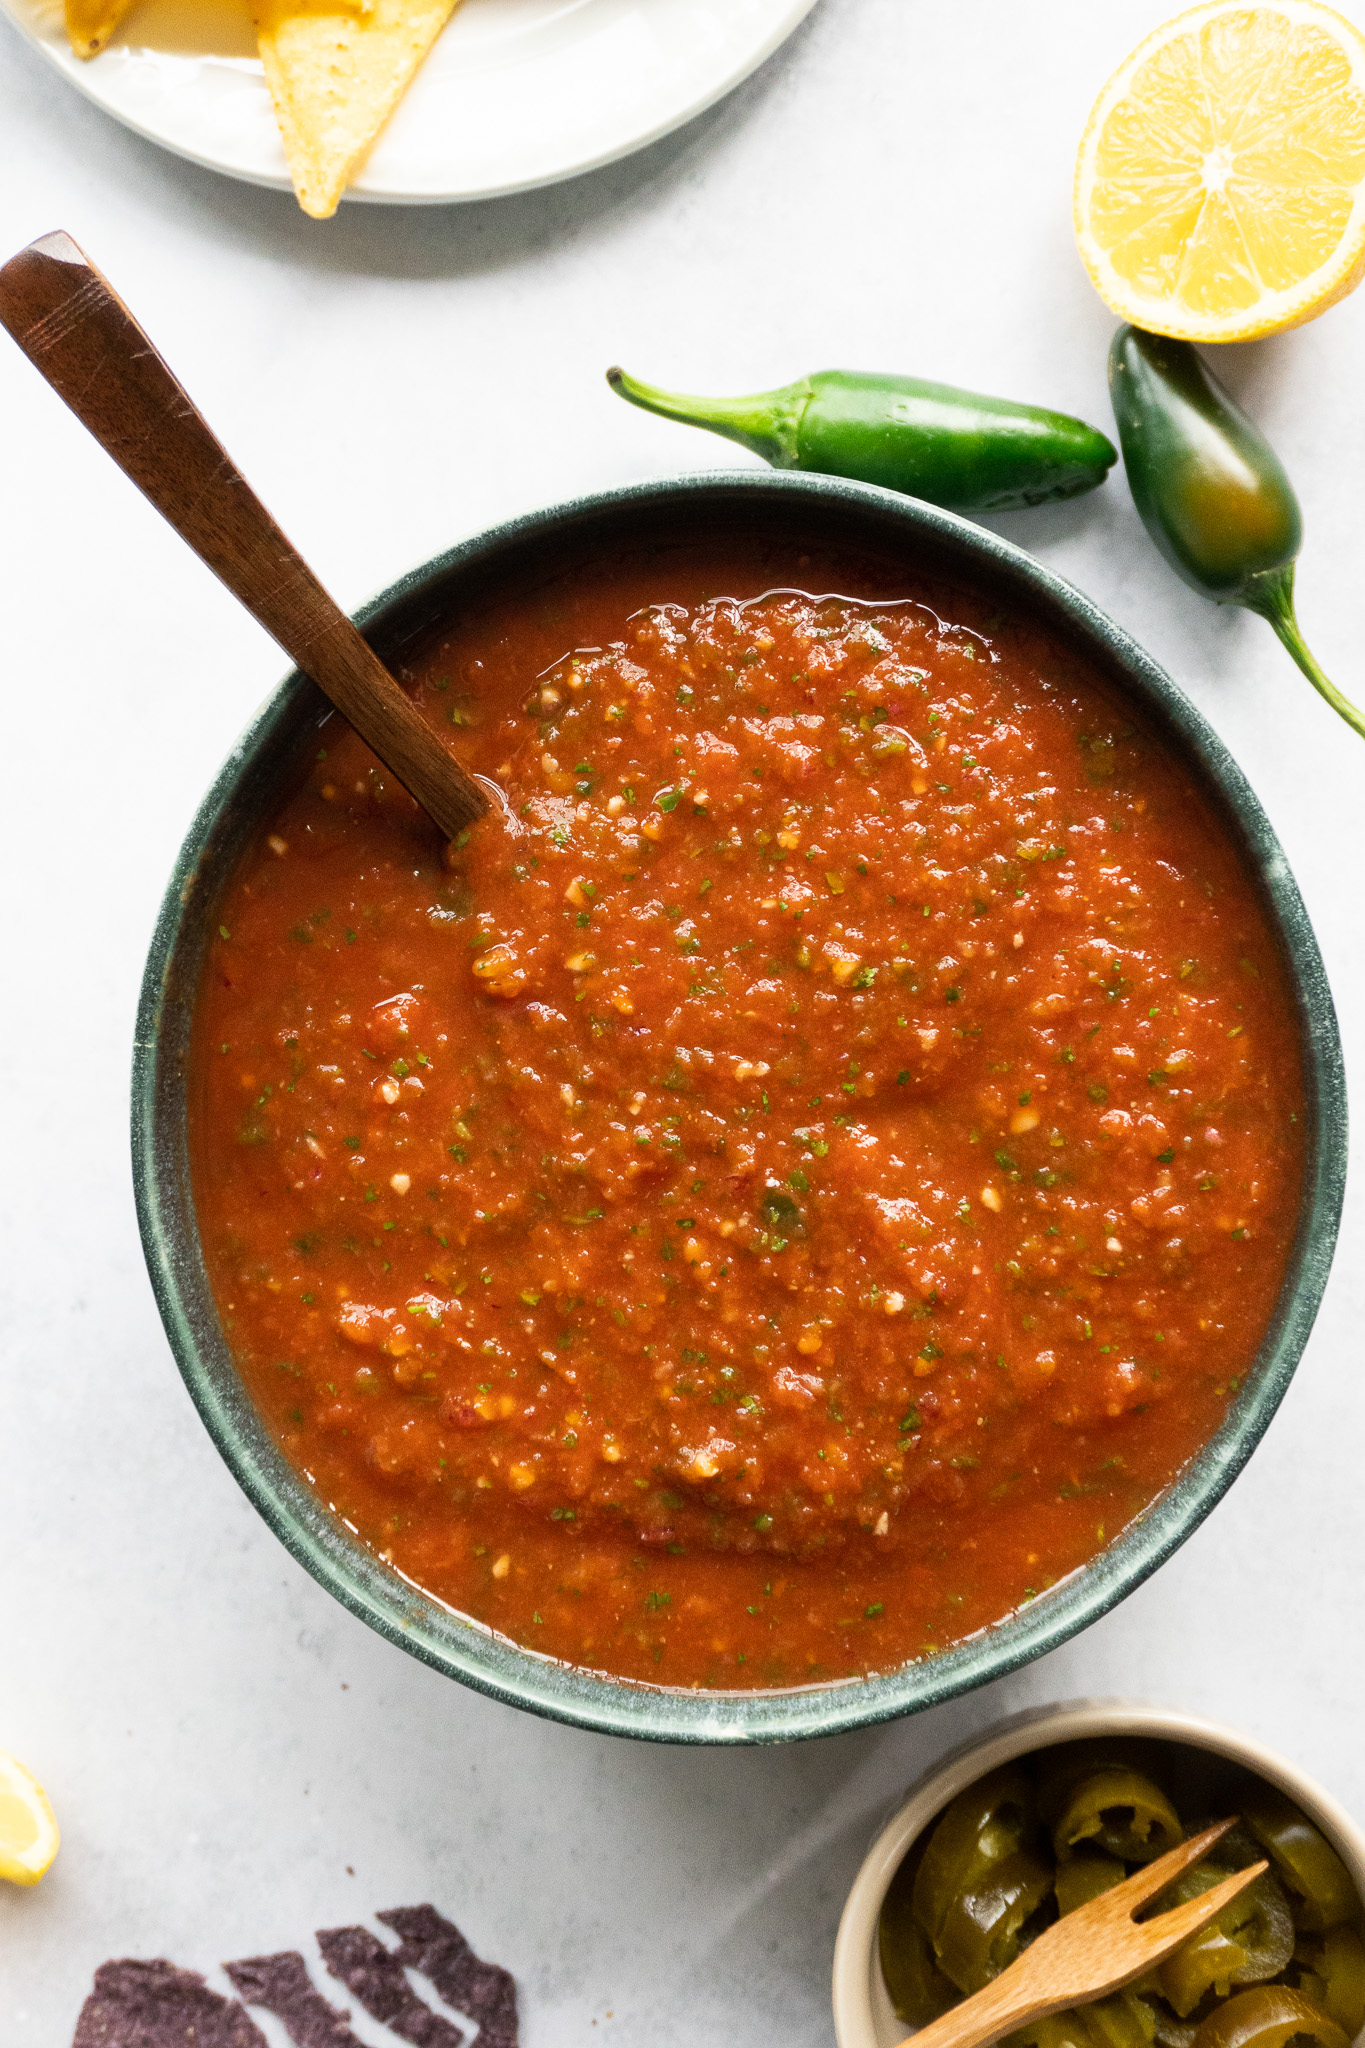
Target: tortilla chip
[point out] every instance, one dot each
(374, 1975)
(154, 2005)
(281, 1984)
(336, 74)
(438, 1951)
(90, 23)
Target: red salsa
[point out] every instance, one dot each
(797, 1179)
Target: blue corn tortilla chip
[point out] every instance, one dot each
(155, 2005)
(438, 1950)
(282, 1985)
(375, 1977)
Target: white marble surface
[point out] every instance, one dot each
(221, 1741)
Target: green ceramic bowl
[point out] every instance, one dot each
(807, 511)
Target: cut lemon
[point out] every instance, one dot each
(28, 1830)
(1220, 186)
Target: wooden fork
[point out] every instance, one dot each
(1087, 1954)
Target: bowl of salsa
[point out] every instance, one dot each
(813, 1198)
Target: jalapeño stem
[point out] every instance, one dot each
(768, 422)
(1272, 598)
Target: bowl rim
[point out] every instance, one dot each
(859, 1994)
(468, 1650)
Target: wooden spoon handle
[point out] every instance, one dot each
(77, 332)
(989, 2014)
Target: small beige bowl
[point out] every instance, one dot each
(863, 2013)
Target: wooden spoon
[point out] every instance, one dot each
(1087, 1954)
(77, 332)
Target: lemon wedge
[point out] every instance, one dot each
(1220, 185)
(28, 1829)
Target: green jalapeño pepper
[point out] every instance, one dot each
(1210, 489)
(1119, 2021)
(918, 1988)
(1058, 2030)
(1330, 1969)
(1317, 1880)
(1251, 1940)
(932, 441)
(1208, 1961)
(1085, 1875)
(980, 1934)
(1170, 2031)
(1271, 2016)
(1062, 1768)
(1260, 1920)
(1122, 1812)
(979, 1829)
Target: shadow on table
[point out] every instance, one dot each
(776, 1837)
(785, 1829)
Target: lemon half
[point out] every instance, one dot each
(1220, 186)
(28, 1828)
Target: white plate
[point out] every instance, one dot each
(517, 93)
